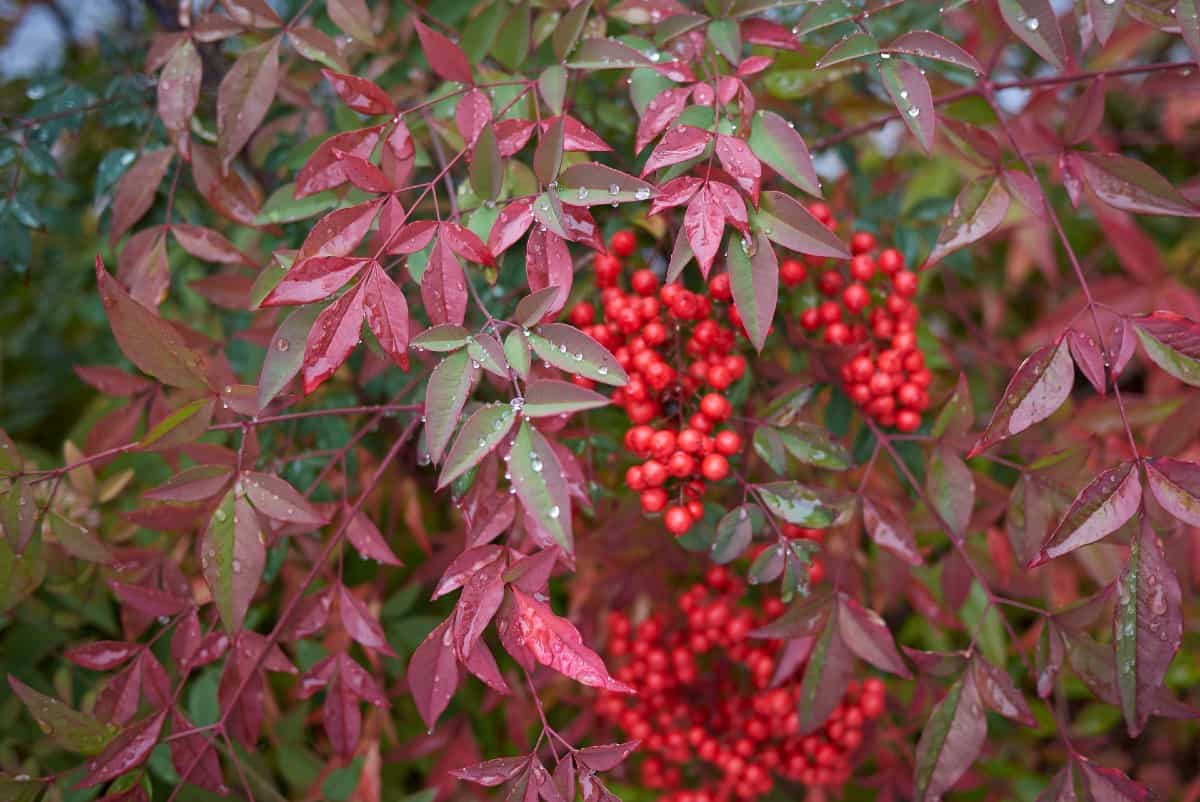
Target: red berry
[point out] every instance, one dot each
(792, 272)
(830, 283)
(583, 314)
(680, 464)
(856, 297)
(644, 282)
(810, 319)
(623, 243)
(862, 267)
(677, 520)
(634, 479)
(715, 407)
(816, 571)
(654, 473)
(719, 377)
(727, 442)
(662, 444)
(905, 283)
(720, 288)
(890, 261)
(654, 499)
(608, 269)
(714, 468)
(690, 440)
(907, 420)
(861, 242)
(695, 509)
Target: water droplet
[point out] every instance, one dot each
(642, 193)
(554, 512)
(517, 403)
(603, 371)
(283, 344)
(577, 357)
(885, 55)
(904, 94)
(1032, 23)
(164, 619)
(482, 443)
(655, 55)
(913, 111)
(582, 193)
(536, 464)
(237, 566)
(22, 778)
(614, 189)
(475, 364)
(220, 515)
(1158, 604)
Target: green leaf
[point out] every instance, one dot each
(754, 278)
(735, 531)
(606, 54)
(479, 436)
(546, 397)
(910, 94)
(726, 38)
(552, 84)
(511, 47)
(72, 730)
(487, 351)
(566, 35)
(814, 445)
(822, 15)
(487, 166)
(567, 348)
(182, 426)
(1036, 24)
(951, 486)
(13, 789)
(951, 740)
(283, 207)
(285, 353)
(446, 394)
(829, 670)
(540, 484)
(516, 349)
(768, 444)
(232, 556)
(78, 541)
(853, 47)
(775, 142)
(956, 416)
(441, 339)
(20, 574)
(797, 504)
(1038, 388)
(978, 210)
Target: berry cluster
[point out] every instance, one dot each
(674, 348)
(713, 724)
(869, 305)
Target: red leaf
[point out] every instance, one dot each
(343, 719)
(660, 112)
(556, 643)
(466, 243)
(482, 663)
(732, 204)
(741, 163)
(412, 237)
(278, 500)
(325, 170)
(399, 154)
(889, 529)
(444, 56)
(195, 750)
(464, 566)
(332, 338)
(148, 601)
(675, 192)
(387, 315)
(704, 222)
(339, 232)
(353, 17)
(951, 740)
(135, 191)
(444, 285)
(865, 633)
(1130, 184)
(360, 623)
(493, 772)
(112, 381)
(103, 655)
(581, 227)
(1100, 509)
(548, 264)
(998, 692)
(208, 245)
(179, 91)
(363, 174)
(577, 136)
(473, 112)
(433, 674)
(244, 98)
(127, 751)
(360, 94)
(142, 266)
(1088, 357)
(366, 537)
(511, 224)
(314, 279)
(512, 135)
(1038, 388)
(606, 757)
(480, 599)
(679, 144)
(759, 31)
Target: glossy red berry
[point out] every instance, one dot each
(862, 242)
(719, 287)
(623, 243)
(792, 272)
(727, 442)
(890, 261)
(654, 499)
(715, 407)
(677, 520)
(714, 468)
(644, 282)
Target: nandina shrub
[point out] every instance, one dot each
(664, 470)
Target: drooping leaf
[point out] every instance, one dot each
(366, 537)
(433, 674)
(1129, 184)
(888, 528)
(703, 223)
(1110, 785)
(278, 500)
(567, 348)
(594, 184)
(72, 730)
(285, 353)
(777, 144)
(546, 397)
(928, 44)
(741, 163)
(1036, 24)
(135, 191)
(830, 668)
(997, 691)
(950, 484)
(479, 436)
(1176, 486)
(244, 98)
(353, 17)
(541, 485)
(487, 167)
(734, 533)
(570, 27)
(1038, 388)
(548, 264)
(1100, 509)
(556, 643)
(125, 752)
(911, 96)
(1089, 359)
(1147, 627)
(754, 279)
(865, 633)
(334, 334)
(360, 94)
(1173, 343)
(179, 91)
(951, 740)
(978, 210)
(386, 311)
(785, 221)
(444, 285)
(232, 556)
(446, 394)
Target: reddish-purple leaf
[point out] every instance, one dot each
(473, 112)
(1147, 627)
(511, 224)
(232, 556)
(1036, 24)
(466, 243)
(360, 94)
(754, 279)
(532, 573)
(314, 279)
(479, 601)
(360, 623)
(910, 94)
(112, 381)
(446, 393)
(679, 144)
(889, 529)
(332, 338)
(339, 232)
(741, 163)
(127, 751)
(363, 174)
(733, 207)
(556, 643)
(978, 210)
(928, 44)
(342, 718)
(1039, 387)
(142, 266)
(315, 45)
(548, 264)
(1176, 486)
(433, 674)
(512, 134)
(444, 56)
(482, 663)
(998, 692)
(775, 142)
(185, 639)
(198, 751)
(148, 601)
(1085, 114)
(325, 169)
(786, 222)
(1172, 341)
(117, 702)
(660, 112)
(951, 740)
(675, 192)
(704, 222)
(1100, 509)
(136, 190)
(581, 227)
(865, 633)
(760, 31)
(103, 655)
(465, 566)
(1088, 357)
(830, 669)
(278, 500)
(606, 54)
(253, 13)
(207, 245)
(179, 91)
(1129, 184)
(493, 772)
(594, 184)
(951, 486)
(244, 98)
(1110, 785)
(387, 314)
(366, 537)
(444, 285)
(606, 757)
(577, 137)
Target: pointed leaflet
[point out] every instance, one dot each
(135, 191)
(511, 224)
(491, 773)
(541, 486)
(978, 210)
(179, 91)
(556, 643)
(734, 533)
(1035, 23)
(951, 486)
(366, 537)
(830, 668)
(360, 94)
(567, 348)
(433, 674)
(910, 94)
(1088, 357)
(285, 353)
(342, 718)
(340, 232)
(104, 655)
(481, 597)
(680, 144)
(775, 142)
(444, 56)
(1086, 113)
(547, 397)
(548, 264)
(593, 184)
(951, 740)
(928, 44)
(74, 731)
(865, 633)
(386, 311)
(1187, 12)
(278, 500)
(487, 165)
(182, 426)
(785, 221)
(740, 162)
(482, 432)
(754, 278)
(334, 335)
(704, 223)
(606, 54)
(244, 98)
(360, 622)
(150, 342)
(998, 693)
(1176, 486)
(127, 751)
(1129, 184)
(1039, 387)
(849, 48)
(208, 245)
(1172, 341)
(232, 555)
(888, 528)
(195, 749)
(446, 394)
(1100, 509)
(325, 169)
(1147, 627)
(444, 285)
(731, 205)
(660, 112)
(314, 279)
